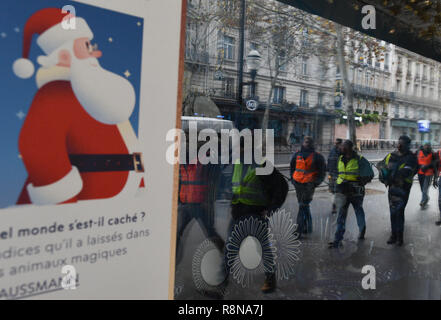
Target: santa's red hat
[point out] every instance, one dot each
(48, 23)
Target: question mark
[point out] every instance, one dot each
(143, 215)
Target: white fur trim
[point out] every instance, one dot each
(128, 134)
(64, 189)
(23, 68)
(46, 75)
(56, 36)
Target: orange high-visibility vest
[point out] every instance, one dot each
(304, 172)
(424, 160)
(193, 185)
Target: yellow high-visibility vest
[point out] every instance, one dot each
(348, 172)
(247, 187)
(408, 179)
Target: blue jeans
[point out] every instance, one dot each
(357, 204)
(425, 182)
(304, 192)
(397, 203)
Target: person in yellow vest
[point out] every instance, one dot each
(308, 171)
(426, 166)
(396, 171)
(354, 172)
(257, 196)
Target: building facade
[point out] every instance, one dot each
(418, 92)
(393, 93)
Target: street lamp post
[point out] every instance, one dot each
(253, 63)
(241, 50)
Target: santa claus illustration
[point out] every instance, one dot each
(76, 141)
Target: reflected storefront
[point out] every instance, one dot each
(290, 123)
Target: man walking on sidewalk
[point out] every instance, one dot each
(308, 171)
(396, 172)
(426, 160)
(354, 172)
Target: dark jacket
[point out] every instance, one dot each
(333, 161)
(318, 164)
(276, 188)
(397, 177)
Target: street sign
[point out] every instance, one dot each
(424, 125)
(219, 75)
(252, 105)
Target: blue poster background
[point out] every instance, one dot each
(119, 37)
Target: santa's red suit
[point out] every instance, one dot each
(68, 154)
(55, 127)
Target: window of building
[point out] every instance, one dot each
(279, 94)
(228, 87)
(305, 66)
(406, 111)
(230, 6)
(415, 90)
(250, 90)
(282, 61)
(369, 61)
(412, 133)
(398, 86)
(396, 111)
(423, 92)
(254, 46)
(228, 47)
(386, 61)
(304, 98)
(320, 99)
(195, 46)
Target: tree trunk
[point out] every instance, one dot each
(347, 85)
(265, 118)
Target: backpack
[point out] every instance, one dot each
(276, 187)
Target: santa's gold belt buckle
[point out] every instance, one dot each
(138, 166)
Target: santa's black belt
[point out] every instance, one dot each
(107, 162)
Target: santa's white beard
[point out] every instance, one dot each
(106, 96)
